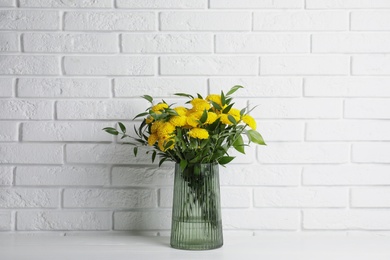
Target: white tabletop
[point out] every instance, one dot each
(265, 247)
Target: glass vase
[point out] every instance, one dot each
(196, 211)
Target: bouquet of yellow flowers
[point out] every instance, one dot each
(202, 133)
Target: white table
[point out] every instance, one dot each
(262, 246)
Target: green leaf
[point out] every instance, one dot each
(183, 95)
(140, 115)
(203, 118)
(239, 144)
(255, 137)
(199, 96)
(242, 112)
(135, 151)
(227, 109)
(232, 119)
(122, 126)
(154, 155)
(233, 89)
(183, 164)
(111, 130)
(216, 105)
(148, 98)
(223, 99)
(162, 161)
(225, 159)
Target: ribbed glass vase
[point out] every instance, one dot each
(196, 212)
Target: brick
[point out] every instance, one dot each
(67, 4)
(28, 198)
(263, 87)
(29, 20)
(262, 43)
(300, 197)
(367, 108)
(9, 131)
(346, 175)
(167, 43)
(110, 198)
(304, 65)
(351, 130)
(165, 197)
(29, 65)
(205, 21)
(9, 42)
(104, 109)
(143, 220)
(8, 3)
(63, 87)
(104, 153)
(6, 87)
(64, 175)
(156, 4)
(160, 87)
(252, 4)
(379, 20)
(337, 219)
(63, 220)
(108, 65)
(6, 176)
(65, 131)
(281, 153)
(371, 65)
(346, 4)
(206, 65)
(347, 87)
(26, 109)
(281, 130)
(296, 108)
(371, 152)
(142, 176)
(377, 197)
(260, 175)
(264, 219)
(5, 219)
(301, 21)
(109, 21)
(31, 153)
(351, 43)
(68, 43)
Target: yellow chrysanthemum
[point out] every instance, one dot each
(192, 121)
(159, 107)
(224, 119)
(178, 120)
(250, 121)
(149, 119)
(215, 98)
(156, 125)
(181, 110)
(235, 113)
(163, 141)
(200, 104)
(165, 129)
(198, 133)
(211, 117)
(152, 139)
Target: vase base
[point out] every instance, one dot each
(197, 246)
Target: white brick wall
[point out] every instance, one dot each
(317, 70)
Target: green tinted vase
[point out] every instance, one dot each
(196, 212)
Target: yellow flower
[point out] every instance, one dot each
(163, 141)
(149, 119)
(159, 107)
(152, 139)
(215, 98)
(156, 125)
(235, 113)
(198, 133)
(250, 121)
(199, 104)
(224, 119)
(165, 129)
(178, 120)
(211, 117)
(193, 117)
(181, 110)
